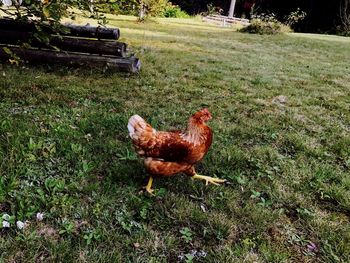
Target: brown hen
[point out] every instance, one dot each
(169, 153)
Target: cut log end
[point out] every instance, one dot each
(136, 66)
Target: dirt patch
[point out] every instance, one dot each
(280, 100)
(48, 232)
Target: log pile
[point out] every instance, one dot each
(75, 45)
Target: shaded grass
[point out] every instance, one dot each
(281, 123)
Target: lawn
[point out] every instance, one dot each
(281, 121)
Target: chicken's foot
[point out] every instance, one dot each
(208, 179)
(148, 187)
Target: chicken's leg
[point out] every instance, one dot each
(148, 187)
(161, 168)
(208, 180)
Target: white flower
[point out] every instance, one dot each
(40, 216)
(20, 224)
(6, 3)
(6, 217)
(202, 254)
(5, 224)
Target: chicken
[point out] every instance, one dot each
(169, 153)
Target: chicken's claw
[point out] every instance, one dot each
(150, 191)
(208, 179)
(148, 187)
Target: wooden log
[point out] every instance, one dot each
(72, 30)
(37, 56)
(102, 47)
(92, 31)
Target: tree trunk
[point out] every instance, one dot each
(73, 30)
(105, 47)
(36, 56)
(142, 11)
(345, 15)
(232, 8)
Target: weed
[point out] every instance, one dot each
(186, 234)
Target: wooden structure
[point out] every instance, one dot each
(68, 29)
(225, 20)
(75, 45)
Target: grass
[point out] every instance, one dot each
(281, 122)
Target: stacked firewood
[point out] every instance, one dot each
(74, 45)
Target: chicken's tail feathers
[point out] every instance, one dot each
(134, 121)
(138, 127)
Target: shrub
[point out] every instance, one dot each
(150, 8)
(265, 24)
(108, 8)
(155, 7)
(295, 17)
(174, 11)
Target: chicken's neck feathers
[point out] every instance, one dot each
(195, 133)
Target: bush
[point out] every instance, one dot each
(108, 8)
(295, 17)
(151, 8)
(155, 7)
(174, 11)
(265, 24)
(118, 7)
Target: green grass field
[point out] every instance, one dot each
(281, 121)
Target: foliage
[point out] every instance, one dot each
(42, 13)
(212, 10)
(324, 14)
(295, 17)
(269, 24)
(265, 24)
(152, 8)
(186, 234)
(126, 7)
(160, 8)
(174, 11)
(345, 17)
(51, 12)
